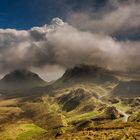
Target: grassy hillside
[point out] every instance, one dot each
(69, 109)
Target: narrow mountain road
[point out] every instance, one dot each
(126, 116)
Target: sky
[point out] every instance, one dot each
(24, 14)
(50, 36)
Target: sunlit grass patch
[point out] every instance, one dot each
(22, 132)
(30, 131)
(79, 117)
(122, 106)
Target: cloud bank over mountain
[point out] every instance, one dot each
(83, 40)
(117, 17)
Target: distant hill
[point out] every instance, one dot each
(127, 89)
(20, 79)
(86, 73)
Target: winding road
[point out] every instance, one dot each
(126, 116)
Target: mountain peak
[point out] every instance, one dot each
(86, 70)
(87, 73)
(20, 73)
(20, 78)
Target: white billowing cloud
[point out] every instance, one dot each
(72, 47)
(12, 37)
(65, 46)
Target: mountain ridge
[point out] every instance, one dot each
(87, 73)
(20, 79)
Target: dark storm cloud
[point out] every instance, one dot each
(118, 18)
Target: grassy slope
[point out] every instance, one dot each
(19, 131)
(122, 106)
(44, 115)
